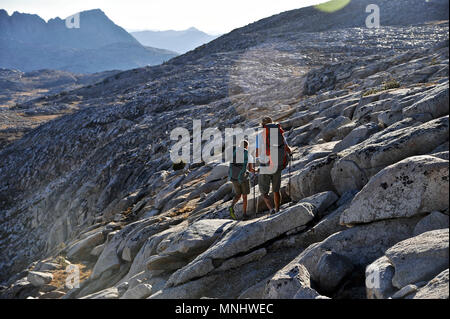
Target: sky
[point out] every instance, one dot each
(212, 16)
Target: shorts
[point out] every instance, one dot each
(264, 181)
(242, 188)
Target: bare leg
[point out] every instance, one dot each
(244, 204)
(235, 200)
(266, 199)
(276, 200)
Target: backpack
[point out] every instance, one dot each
(237, 170)
(278, 143)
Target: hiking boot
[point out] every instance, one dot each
(273, 212)
(233, 216)
(245, 217)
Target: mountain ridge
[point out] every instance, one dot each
(29, 43)
(298, 20)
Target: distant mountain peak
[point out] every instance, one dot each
(97, 13)
(97, 45)
(98, 10)
(178, 41)
(193, 29)
(16, 14)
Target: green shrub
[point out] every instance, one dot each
(433, 61)
(387, 85)
(371, 91)
(391, 84)
(61, 261)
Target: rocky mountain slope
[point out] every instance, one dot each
(177, 41)
(29, 43)
(365, 214)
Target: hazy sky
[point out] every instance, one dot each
(213, 16)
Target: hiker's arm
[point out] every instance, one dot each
(251, 168)
(257, 147)
(288, 148)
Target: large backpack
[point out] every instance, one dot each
(278, 142)
(237, 170)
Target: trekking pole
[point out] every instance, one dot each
(290, 163)
(254, 189)
(254, 193)
(257, 203)
(290, 194)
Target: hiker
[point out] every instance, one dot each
(238, 174)
(263, 144)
